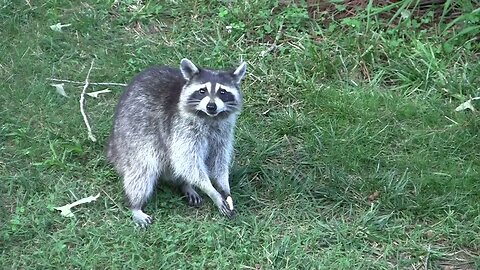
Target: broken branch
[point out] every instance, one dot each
(90, 83)
(82, 105)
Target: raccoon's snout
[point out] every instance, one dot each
(211, 108)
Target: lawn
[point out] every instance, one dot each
(349, 152)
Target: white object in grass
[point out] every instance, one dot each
(467, 105)
(59, 88)
(58, 27)
(66, 210)
(229, 202)
(95, 94)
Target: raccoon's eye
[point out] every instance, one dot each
(222, 91)
(202, 91)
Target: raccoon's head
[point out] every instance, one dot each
(209, 92)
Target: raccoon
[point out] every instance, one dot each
(177, 124)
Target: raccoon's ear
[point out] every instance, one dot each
(239, 73)
(188, 69)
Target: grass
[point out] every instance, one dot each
(349, 152)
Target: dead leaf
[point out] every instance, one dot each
(374, 196)
(152, 29)
(59, 88)
(429, 234)
(66, 210)
(138, 27)
(95, 94)
(58, 27)
(467, 105)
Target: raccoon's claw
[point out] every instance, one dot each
(227, 209)
(194, 199)
(141, 219)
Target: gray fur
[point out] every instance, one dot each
(162, 129)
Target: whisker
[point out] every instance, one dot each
(193, 102)
(234, 107)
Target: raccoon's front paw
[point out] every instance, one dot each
(227, 207)
(141, 219)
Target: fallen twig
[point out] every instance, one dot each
(274, 45)
(90, 83)
(86, 83)
(82, 101)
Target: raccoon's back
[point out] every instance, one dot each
(158, 88)
(146, 108)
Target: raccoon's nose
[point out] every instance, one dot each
(211, 107)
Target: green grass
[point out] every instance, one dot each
(349, 153)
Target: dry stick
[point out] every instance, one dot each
(82, 101)
(119, 206)
(90, 83)
(274, 45)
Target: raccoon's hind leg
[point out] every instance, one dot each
(139, 186)
(193, 198)
(140, 218)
